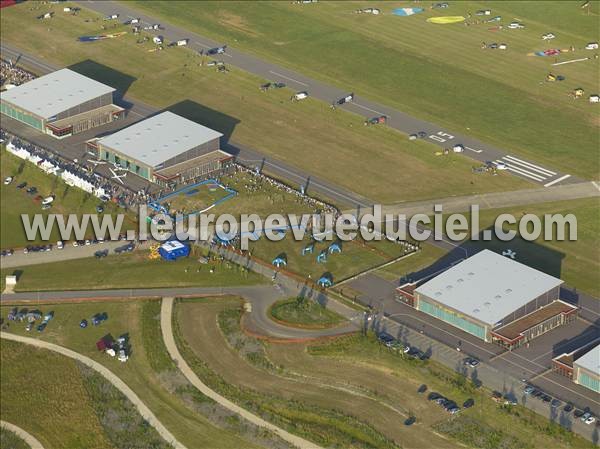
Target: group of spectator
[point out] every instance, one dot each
(11, 74)
(262, 179)
(117, 193)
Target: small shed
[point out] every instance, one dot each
(173, 250)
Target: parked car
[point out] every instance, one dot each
(60, 245)
(410, 421)
(99, 318)
(433, 396)
(41, 327)
(32, 190)
(83, 323)
(590, 420)
(472, 362)
(46, 206)
(29, 326)
(22, 185)
(458, 148)
(8, 180)
(568, 407)
(386, 339)
(99, 208)
(578, 413)
(100, 254)
(422, 389)
(555, 403)
(469, 403)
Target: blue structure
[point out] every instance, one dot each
(308, 249)
(322, 257)
(173, 250)
(335, 247)
(325, 281)
(280, 261)
(219, 241)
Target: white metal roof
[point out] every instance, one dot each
(488, 286)
(172, 246)
(159, 138)
(54, 93)
(590, 360)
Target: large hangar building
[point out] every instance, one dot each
(61, 103)
(494, 298)
(166, 149)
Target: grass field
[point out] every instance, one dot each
(356, 373)
(377, 162)
(303, 312)
(194, 199)
(366, 362)
(16, 202)
(497, 96)
(356, 256)
(10, 440)
(44, 393)
(149, 371)
(130, 270)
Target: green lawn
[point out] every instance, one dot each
(149, 372)
(131, 270)
(10, 440)
(304, 313)
(375, 161)
(437, 72)
(16, 202)
(356, 256)
(484, 425)
(44, 393)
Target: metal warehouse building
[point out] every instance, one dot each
(166, 149)
(586, 370)
(494, 298)
(61, 103)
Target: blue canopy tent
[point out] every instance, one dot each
(335, 247)
(308, 249)
(326, 280)
(322, 257)
(280, 261)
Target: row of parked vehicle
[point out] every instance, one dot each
(584, 415)
(31, 316)
(392, 343)
(447, 404)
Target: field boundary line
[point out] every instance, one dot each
(166, 325)
(108, 375)
(23, 434)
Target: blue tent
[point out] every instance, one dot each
(325, 281)
(280, 261)
(173, 250)
(308, 249)
(335, 247)
(322, 257)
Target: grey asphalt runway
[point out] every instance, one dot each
(405, 123)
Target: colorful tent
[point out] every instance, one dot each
(446, 19)
(405, 12)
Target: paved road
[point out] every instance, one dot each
(25, 436)
(108, 375)
(260, 296)
(166, 317)
(73, 147)
(396, 119)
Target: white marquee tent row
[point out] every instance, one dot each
(70, 178)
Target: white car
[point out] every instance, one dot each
(60, 245)
(548, 36)
(48, 200)
(8, 180)
(516, 25)
(300, 96)
(592, 46)
(500, 165)
(458, 148)
(590, 420)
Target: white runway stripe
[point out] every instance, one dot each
(522, 172)
(530, 165)
(562, 178)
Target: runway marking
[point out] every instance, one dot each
(562, 178)
(524, 173)
(368, 109)
(529, 165)
(474, 150)
(288, 78)
(528, 169)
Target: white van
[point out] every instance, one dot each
(47, 200)
(182, 42)
(458, 148)
(300, 96)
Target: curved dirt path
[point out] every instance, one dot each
(23, 434)
(108, 375)
(166, 316)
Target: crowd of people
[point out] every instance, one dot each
(317, 204)
(11, 74)
(117, 193)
